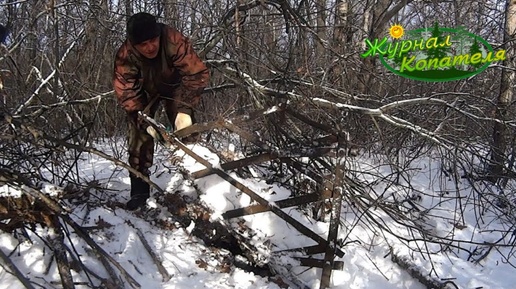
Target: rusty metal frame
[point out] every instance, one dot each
(327, 246)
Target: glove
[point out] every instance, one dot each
(141, 124)
(153, 133)
(182, 120)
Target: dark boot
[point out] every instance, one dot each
(140, 192)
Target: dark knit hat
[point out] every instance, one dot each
(142, 27)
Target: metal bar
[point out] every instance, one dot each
(318, 263)
(287, 218)
(302, 168)
(308, 250)
(329, 244)
(291, 202)
(315, 152)
(256, 140)
(235, 165)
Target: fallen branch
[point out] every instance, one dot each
(17, 180)
(63, 266)
(171, 140)
(114, 280)
(166, 276)
(15, 271)
(99, 251)
(424, 279)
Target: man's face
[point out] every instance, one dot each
(148, 48)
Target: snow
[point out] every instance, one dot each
(367, 259)
(6, 191)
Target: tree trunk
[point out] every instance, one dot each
(376, 20)
(499, 146)
(172, 14)
(128, 9)
(342, 38)
(321, 26)
(342, 34)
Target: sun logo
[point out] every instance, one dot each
(396, 31)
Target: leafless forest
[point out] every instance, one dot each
(287, 79)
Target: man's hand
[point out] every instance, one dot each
(153, 133)
(142, 124)
(182, 120)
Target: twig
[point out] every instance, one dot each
(166, 276)
(112, 274)
(15, 270)
(377, 268)
(135, 267)
(63, 266)
(99, 251)
(27, 187)
(50, 76)
(87, 270)
(40, 134)
(77, 259)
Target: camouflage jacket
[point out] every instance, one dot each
(176, 72)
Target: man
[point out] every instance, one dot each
(155, 64)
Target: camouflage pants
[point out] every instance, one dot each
(140, 143)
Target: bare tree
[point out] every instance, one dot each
(505, 97)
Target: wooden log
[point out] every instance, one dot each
(261, 158)
(423, 277)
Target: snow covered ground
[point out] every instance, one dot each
(190, 264)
